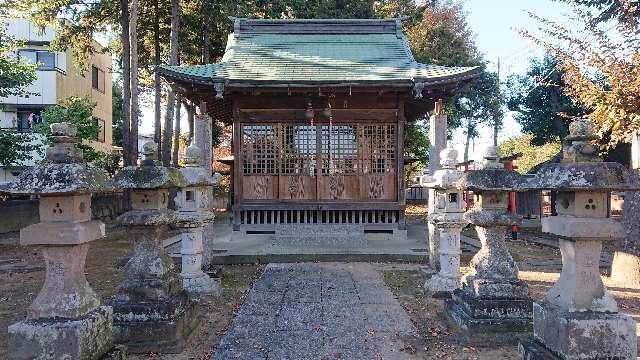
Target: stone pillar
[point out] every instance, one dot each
(66, 319)
(493, 304)
(437, 143)
(447, 217)
(193, 214)
(625, 269)
(203, 125)
(578, 319)
(152, 312)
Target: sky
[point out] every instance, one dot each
(495, 23)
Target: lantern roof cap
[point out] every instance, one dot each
(493, 177)
(63, 170)
(150, 174)
(580, 168)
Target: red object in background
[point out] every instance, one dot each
(512, 196)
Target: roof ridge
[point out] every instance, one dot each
(316, 26)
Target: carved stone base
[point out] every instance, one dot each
(529, 349)
(162, 326)
(202, 284)
(88, 337)
(489, 321)
(584, 335)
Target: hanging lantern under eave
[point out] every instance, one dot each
(309, 113)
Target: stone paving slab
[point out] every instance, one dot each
(320, 312)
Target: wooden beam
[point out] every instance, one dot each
(352, 115)
(318, 205)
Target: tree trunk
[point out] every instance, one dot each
(190, 119)
(133, 36)
(176, 133)
(157, 130)
(173, 60)
(467, 141)
(126, 83)
(206, 31)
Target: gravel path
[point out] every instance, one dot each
(320, 311)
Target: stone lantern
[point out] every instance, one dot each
(492, 299)
(192, 204)
(152, 312)
(447, 217)
(66, 320)
(578, 319)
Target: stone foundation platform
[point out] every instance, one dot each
(584, 335)
(88, 337)
(489, 321)
(162, 326)
(202, 285)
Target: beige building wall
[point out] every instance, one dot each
(78, 83)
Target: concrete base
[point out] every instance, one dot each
(202, 284)
(441, 287)
(584, 335)
(314, 235)
(625, 269)
(159, 327)
(223, 246)
(489, 321)
(88, 337)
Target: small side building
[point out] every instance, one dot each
(318, 109)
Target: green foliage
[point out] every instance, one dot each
(539, 98)
(17, 148)
(416, 145)
(532, 155)
(111, 163)
(442, 36)
(15, 74)
(78, 111)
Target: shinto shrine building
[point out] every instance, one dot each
(318, 109)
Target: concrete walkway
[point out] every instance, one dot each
(320, 311)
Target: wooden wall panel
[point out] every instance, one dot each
(378, 186)
(338, 187)
(297, 187)
(260, 187)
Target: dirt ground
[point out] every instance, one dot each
(21, 276)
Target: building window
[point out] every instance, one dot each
(27, 119)
(46, 60)
(100, 125)
(97, 78)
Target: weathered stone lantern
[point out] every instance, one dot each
(152, 312)
(192, 205)
(492, 300)
(578, 319)
(447, 217)
(66, 320)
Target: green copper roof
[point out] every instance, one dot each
(314, 52)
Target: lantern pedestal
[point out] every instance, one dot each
(493, 305)
(194, 280)
(152, 312)
(442, 284)
(579, 335)
(86, 337)
(66, 320)
(192, 204)
(578, 319)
